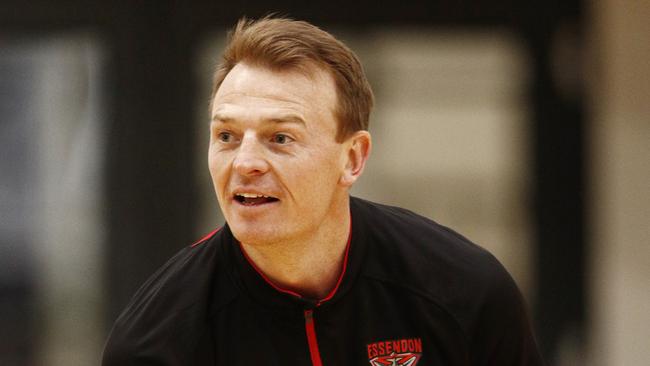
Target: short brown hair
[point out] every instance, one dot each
(281, 43)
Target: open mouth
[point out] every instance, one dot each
(253, 199)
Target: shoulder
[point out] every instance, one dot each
(412, 251)
(454, 274)
(421, 241)
(176, 297)
(187, 271)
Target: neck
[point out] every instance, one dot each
(310, 266)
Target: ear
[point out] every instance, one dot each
(358, 147)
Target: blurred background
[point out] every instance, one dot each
(523, 125)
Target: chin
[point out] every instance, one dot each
(255, 234)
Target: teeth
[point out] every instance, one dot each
(252, 195)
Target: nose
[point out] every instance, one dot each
(250, 159)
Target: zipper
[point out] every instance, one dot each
(311, 338)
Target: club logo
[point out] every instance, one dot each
(399, 352)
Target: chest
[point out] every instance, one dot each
(372, 325)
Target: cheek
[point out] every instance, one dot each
(321, 168)
(217, 167)
(212, 165)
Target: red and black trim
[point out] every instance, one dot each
(343, 270)
(205, 238)
(295, 294)
(266, 279)
(314, 352)
(310, 328)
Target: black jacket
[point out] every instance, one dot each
(412, 293)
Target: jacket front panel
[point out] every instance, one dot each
(352, 331)
(362, 321)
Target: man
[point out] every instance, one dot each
(301, 273)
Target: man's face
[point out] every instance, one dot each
(274, 160)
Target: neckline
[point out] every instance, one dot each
(256, 285)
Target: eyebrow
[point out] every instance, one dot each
(283, 118)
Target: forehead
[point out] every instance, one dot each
(252, 89)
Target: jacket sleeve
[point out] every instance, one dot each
(139, 335)
(164, 324)
(502, 334)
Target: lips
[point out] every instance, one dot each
(253, 199)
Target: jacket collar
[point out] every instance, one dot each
(254, 284)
